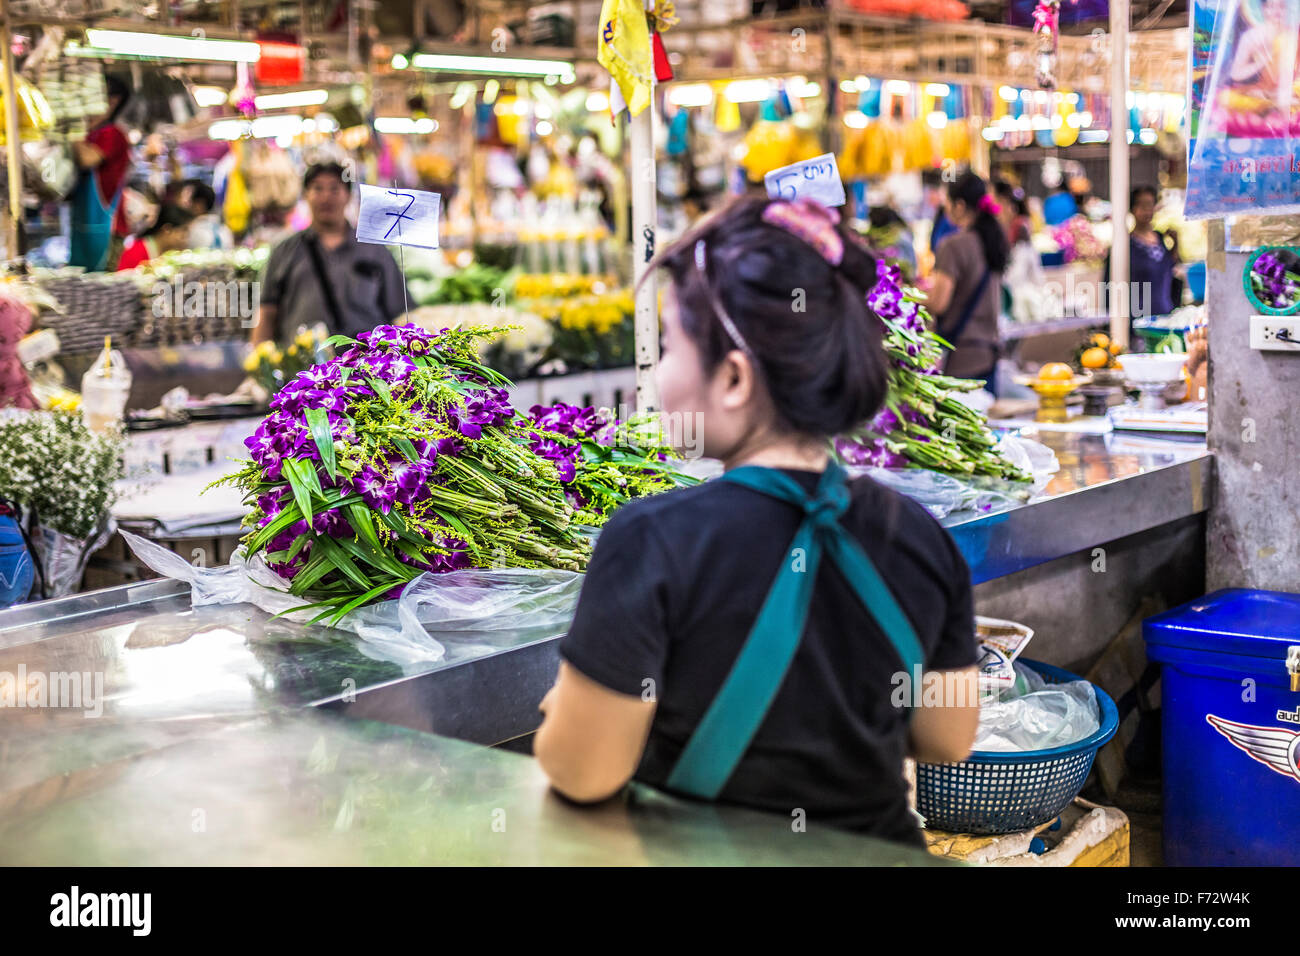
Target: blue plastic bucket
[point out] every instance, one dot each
(16, 569)
(997, 792)
(1231, 729)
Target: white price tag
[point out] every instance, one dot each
(398, 217)
(817, 178)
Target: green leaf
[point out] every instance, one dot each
(334, 340)
(381, 389)
(319, 422)
(414, 553)
(359, 515)
(308, 471)
(456, 523)
(343, 563)
(378, 559)
(356, 602)
(406, 448)
(299, 543)
(318, 565)
(298, 482)
(285, 518)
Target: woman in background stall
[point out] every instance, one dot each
(1155, 288)
(965, 289)
(1023, 280)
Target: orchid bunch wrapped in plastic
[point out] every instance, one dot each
(923, 424)
(402, 456)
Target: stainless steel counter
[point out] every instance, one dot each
(1109, 487)
(204, 709)
(311, 789)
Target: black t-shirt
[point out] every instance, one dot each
(672, 591)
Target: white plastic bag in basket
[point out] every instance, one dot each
(1036, 715)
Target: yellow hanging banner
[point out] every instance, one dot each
(624, 50)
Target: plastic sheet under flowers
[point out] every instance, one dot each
(472, 612)
(943, 494)
(1036, 715)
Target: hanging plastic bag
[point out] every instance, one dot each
(237, 207)
(470, 612)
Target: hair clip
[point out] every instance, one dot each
(701, 267)
(989, 205)
(811, 222)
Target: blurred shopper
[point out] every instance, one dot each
(15, 322)
(889, 237)
(965, 294)
(169, 233)
(207, 231)
(1152, 260)
(99, 226)
(1023, 281)
(323, 274)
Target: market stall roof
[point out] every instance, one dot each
(846, 43)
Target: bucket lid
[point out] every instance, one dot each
(1236, 621)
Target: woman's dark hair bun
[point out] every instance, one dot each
(806, 321)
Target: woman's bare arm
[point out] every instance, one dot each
(591, 739)
(939, 297)
(944, 734)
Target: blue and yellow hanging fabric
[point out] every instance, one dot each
(624, 50)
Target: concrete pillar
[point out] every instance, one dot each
(1254, 528)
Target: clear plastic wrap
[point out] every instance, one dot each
(1036, 715)
(943, 494)
(472, 612)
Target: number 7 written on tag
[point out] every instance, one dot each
(398, 217)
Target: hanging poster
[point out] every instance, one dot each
(1244, 125)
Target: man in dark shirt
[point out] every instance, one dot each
(324, 274)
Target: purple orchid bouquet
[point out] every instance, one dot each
(1274, 282)
(602, 461)
(403, 455)
(923, 423)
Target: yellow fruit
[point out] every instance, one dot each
(1101, 340)
(1055, 372)
(1094, 358)
(1116, 348)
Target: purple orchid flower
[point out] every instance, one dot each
(374, 489)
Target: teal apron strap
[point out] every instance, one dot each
(724, 734)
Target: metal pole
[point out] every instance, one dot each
(12, 144)
(644, 219)
(1119, 180)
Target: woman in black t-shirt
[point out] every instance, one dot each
(757, 639)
